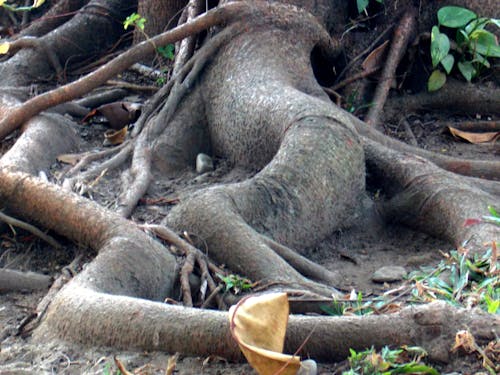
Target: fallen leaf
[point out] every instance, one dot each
(172, 362)
(474, 137)
(71, 159)
(120, 114)
(115, 137)
(4, 48)
(376, 58)
(258, 324)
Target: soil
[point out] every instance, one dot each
(355, 253)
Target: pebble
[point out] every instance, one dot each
(389, 274)
(308, 367)
(204, 163)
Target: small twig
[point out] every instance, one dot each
(364, 52)
(30, 228)
(88, 157)
(186, 270)
(205, 265)
(398, 47)
(411, 137)
(360, 75)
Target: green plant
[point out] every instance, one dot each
(405, 360)
(461, 281)
(472, 46)
(135, 20)
(363, 4)
(107, 370)
(36, 4)
(235, 283)
(355, 306)
(167, 51)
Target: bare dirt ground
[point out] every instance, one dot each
(356, 254)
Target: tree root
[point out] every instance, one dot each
(138, 177)
(488, 169)
(28, 109)
(423, 196)
(401, 39)
(455, 96)
(193, 254)
(12, 280)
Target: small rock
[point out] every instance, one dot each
(389, 274)
(204, 163)
(308, 367)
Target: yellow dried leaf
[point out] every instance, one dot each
(4, 48)
(115, 137)
(258, 324)
(37, 3)
(474, 137)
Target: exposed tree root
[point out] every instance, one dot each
(423, 196)
(28, 109)
(185, 48)
(138, 177)
(194, 255)
(454, 96)
(263, 109)
(401, 38)
(489, 169)
(12, 280)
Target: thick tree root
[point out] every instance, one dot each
(423, 196)
(12, 280)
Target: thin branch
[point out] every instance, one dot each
(30, 228)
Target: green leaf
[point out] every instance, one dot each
(480, 59)
(440, 46)
(436, 81)
(467, 70)
(495, 21)
(167, 51)
(493, 212)
(452, 16)
(362, 4)
(447, 63)
(485, 43)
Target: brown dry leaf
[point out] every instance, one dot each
(258, 324)
(120, 114)
(115, 137)
(71, 159)
(464, 340)
(474, 137)
(376, 58)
